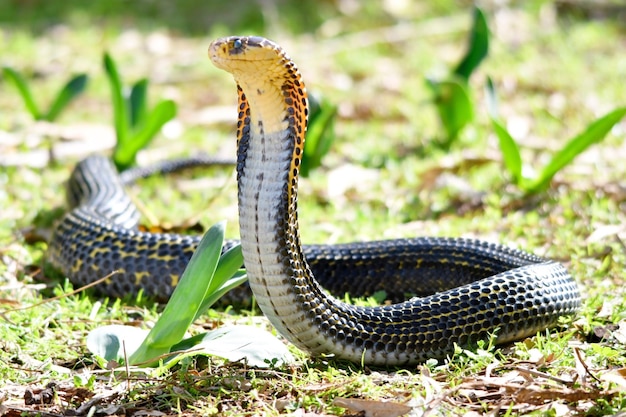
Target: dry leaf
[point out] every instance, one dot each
(620, 333)
(602, 233)
(617, 377)
(373, 408)
(350, 177)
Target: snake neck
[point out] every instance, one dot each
(272, 123)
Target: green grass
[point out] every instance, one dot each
(382, 178)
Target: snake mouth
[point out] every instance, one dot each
(226, 62)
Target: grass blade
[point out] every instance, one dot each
(138, 102)
(510, 152)
(478, 47)
(187, 298)
(69, 92)
(22, 86)
(594, 133)
(120, 111)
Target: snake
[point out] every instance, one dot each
(445, 292)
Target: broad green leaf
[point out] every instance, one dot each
(70, 91)
(22, 86)
(230, 263)
(320, 134)
(478, 47)
(238, 278)
(594, 133)
(510, 151)
(163, 112)
(115, 342)
(120, 110)
(256, 346)
(454, 106)
(186, 299)
(227, 276)
(138, 103)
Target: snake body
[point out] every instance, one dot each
(525, 295)
(466, 290)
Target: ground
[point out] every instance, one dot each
(556, 66)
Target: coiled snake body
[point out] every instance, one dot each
(468, 289)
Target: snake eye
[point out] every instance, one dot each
(237, 44)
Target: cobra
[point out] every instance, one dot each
(516, 295)
(467, 289)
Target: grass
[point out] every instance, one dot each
(382, 178)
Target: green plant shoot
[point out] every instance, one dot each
(451, 96)
(74, 87)
(206, 275)
(135, 125)
(594, 133)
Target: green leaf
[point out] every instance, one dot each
(70, 91)
(185, 301)
(22, 86)
(510, 151)
(256, 346)
(594, 133)
(138, 102)
(238, 278)
(124, 156)
(115, 342)
(478, 47)
(120, 110)
(227, 276)
(320, 134)
(454, 106)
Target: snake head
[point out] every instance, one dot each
(225, 51)
(270, 83)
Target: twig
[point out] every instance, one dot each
(534, 372)
(579, 360)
